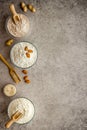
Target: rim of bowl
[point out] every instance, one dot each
(33, 114)
(24, 67)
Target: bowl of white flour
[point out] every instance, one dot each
(20, 29)
(23, 54)
(23, 105)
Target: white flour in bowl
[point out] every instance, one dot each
(18, 55)
(21, 28)
(23, 105)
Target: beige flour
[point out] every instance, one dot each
(21, 28)
(23, 105)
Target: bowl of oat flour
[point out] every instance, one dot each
(23, 105)
(23, 54)
(20, 29)
(17, 24)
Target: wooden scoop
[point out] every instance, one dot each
(15, 117)
(12, 72)
(15, 15)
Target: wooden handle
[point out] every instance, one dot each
(12, 9)
(15, 15)
(5, 62)
(9, 123)
(14, 76)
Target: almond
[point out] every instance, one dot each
(27, 81)
(26, 48)
(30, 51)
(25, 78)
(25, 71)
(28, 55)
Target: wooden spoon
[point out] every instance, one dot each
(12, 72)
(15, 15)
(15, 117)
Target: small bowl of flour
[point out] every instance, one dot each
(23, 105)
(20, 29)
(23, 55)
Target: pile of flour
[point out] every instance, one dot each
(18, 55)
(24, 106)
(21, 28)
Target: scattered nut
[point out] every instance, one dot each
(24, 7)
(25, 78)
(26, 48)
(22, 4)
(27, 81)
(30, 51)
(25, 71)
(9, 42)
(28, 55)
(31, 8)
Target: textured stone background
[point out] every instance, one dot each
(58, 85)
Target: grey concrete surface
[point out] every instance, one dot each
(58, 85)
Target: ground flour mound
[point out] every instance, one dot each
(18, 55)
